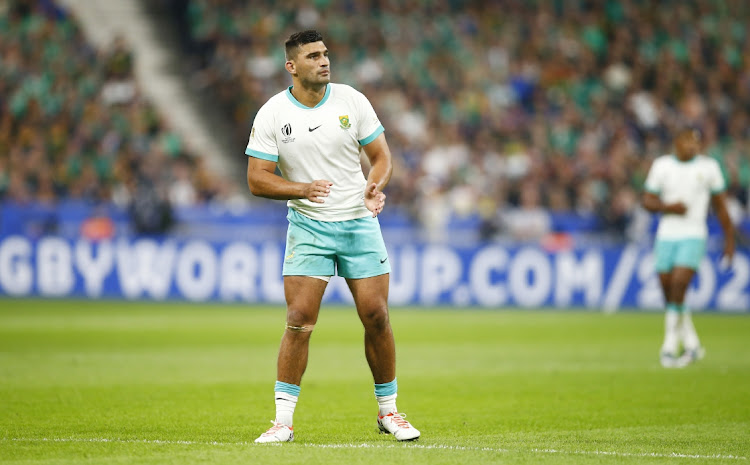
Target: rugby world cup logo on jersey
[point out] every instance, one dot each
(344, 120)
(286, 131)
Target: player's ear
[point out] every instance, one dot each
(290, 67)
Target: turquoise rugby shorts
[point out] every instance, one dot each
(352, 249)
(683, 253)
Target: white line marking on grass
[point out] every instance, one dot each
(640, 454)
(389, 446)
(129, 441)
(408, 445)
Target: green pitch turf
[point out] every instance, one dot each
(138, 383)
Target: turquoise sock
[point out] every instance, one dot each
(386, 394)
(286, 395)
(386, 389)
(291, 389)
(679, 308)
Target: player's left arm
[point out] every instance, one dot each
(719, 203)
(381, 169)
(718, 186)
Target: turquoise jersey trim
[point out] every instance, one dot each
(262, 155)
(372, 136)
(299, 105)
(718, 191)
(652, 191)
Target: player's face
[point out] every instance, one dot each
(311, 65)
(688, 145)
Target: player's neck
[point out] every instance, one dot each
(308, 96)
(685, 158)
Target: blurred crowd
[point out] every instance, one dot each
(508, 109)
(74, 124)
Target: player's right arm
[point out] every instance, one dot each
(264, 182)
(263, 154)
(653, 203)
(651, 200)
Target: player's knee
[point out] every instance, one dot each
(376, 318)
(679, 287)
(299, 322)
(300, 329)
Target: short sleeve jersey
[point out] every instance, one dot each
(322, 142)
(692, 183)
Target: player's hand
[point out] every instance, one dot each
(678, 208)
(728, 256)
(374, 199)
(318, 190)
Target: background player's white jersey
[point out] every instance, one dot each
(319, 143)
(692, 183)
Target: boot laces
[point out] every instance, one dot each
(274, 428)
(398, 419)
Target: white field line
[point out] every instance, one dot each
(391, 446)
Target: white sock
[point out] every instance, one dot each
(285, 404)
(689, 335)
(671, 336)
(386, 404)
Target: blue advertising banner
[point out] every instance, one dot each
(490, 275)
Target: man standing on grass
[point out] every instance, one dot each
(314, 131)
(679, 187)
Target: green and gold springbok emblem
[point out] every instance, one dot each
(344, 120)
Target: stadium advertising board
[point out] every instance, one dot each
(493, 276)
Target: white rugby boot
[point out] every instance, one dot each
(671, 360)
(694, 351)
(279, 432)
(669, 354)
(693, 355)
(394, 423)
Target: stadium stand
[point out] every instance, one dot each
(74, 125)
(564, 104)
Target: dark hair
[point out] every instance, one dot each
(300, 38)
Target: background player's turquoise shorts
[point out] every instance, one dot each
(684, 253)
(352, 249)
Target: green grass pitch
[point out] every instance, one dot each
(141, 383)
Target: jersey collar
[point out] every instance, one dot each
(296, 102)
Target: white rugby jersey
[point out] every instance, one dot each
(322, 142)
(692, 183)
